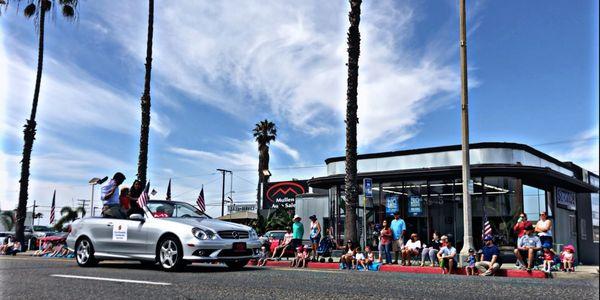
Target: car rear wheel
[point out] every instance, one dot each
(236, 265)
(170, 254)
(84, 253)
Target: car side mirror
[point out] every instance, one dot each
(137, 217)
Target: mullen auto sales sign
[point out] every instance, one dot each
(283, 193)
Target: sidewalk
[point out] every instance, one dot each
(507, 270)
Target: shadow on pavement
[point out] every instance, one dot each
(193, 268)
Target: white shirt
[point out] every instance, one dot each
(360, 256)
(413, 245)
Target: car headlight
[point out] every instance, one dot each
(203, 234)
(252, 234)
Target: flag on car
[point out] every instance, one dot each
(143, 199)
(200, 201)
(52, 207)
(169, 191)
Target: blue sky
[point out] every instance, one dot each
(533, 71)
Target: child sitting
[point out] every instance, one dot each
(567, 258)
(471, 263)
(370, 256)
(297, 257)
(359, 259)
(548, 257)
(262, 257)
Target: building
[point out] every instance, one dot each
(425, 187)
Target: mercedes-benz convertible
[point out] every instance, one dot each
(170, 233)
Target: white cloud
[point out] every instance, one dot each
(285, 148)
(584, 150)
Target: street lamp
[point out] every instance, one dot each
(266, 174)
(93, 183)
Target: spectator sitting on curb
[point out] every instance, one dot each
(285, 244)
(527, 246)
(410, 249)
(360, 259)
(548, 257)
(470, 260)
(432, 250)
(447, 256)
(347, 259)
(370, 256)
(489, 262)
(262, 257)
(567, 258)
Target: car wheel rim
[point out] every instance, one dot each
(83, 252)
(168, 254)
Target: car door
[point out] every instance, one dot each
(128, 237)
(100, 232)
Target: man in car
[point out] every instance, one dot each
(285, 244)
(110, 197)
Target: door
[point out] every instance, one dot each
(128, 237)
(100, 232)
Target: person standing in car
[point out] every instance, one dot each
(110, 197)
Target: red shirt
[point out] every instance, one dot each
(124, 201)
(548, 255)
(520, 227)
(386, 236)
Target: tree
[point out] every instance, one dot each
(38, 10)
(68, 215)
(351, 186)
(145, 100)
(7, 218)
(279, 219)
(264, 132)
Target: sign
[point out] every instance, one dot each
(241, 207)
(415, 207)
(283, 194)
(565, 199)
(119, 232)
(391, 204)
(368, 187)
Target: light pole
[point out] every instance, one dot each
(466, 173)
(93, 183)
(266, 174)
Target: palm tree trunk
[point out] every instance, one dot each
(29, 137)
(145, 100)
(351, 187)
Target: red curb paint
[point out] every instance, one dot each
(415, 269)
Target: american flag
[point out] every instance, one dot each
(143, 199)
(200, 200)
(487, 228)
(52, 207)
(169, 191)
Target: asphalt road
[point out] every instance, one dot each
(40, 278)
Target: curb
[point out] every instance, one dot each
(415, 269)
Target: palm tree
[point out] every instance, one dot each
(38, 10)
(264, 132)
(68, 215)
(352, 121)
(145, 100)
(279, 219)
(7, 218)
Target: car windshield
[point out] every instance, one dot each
(42, 228)
(168, 209)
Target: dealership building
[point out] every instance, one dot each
(425, 187)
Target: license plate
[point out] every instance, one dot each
(239, 247)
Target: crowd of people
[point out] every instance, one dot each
(121, 203)
(10, 246)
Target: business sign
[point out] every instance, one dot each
(565, 199)
(283, 194)
(391, 204)
(368, 187)
(241, 207)
(119, 231)
(415, 206)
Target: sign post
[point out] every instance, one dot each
(368, 193)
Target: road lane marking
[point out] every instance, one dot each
(110, 279)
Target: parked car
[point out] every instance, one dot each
(269, 236)
(33, 233)
(170, 233)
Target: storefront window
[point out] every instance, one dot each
(534, 202)
(596, 216)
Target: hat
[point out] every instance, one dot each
(569, 247)
(530, 227)
(488, 238)
(297, 217)
(546, 245)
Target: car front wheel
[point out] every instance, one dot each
(236, 265)
(84, 252)
(170, 254)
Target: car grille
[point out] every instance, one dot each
(233, 234)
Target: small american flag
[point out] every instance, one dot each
(487, 228)
(200, 200)
(143, 199)
(169, 191)
(52, 207)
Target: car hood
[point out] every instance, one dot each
(214, 224)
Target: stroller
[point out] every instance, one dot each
(324, 249)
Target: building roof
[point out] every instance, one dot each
(242, 215)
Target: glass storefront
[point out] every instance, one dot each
(436, 205)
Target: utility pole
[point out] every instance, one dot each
(466, 173)
(223, 171)
(33, 216)
(83, 203)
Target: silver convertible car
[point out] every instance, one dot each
(170, 233)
